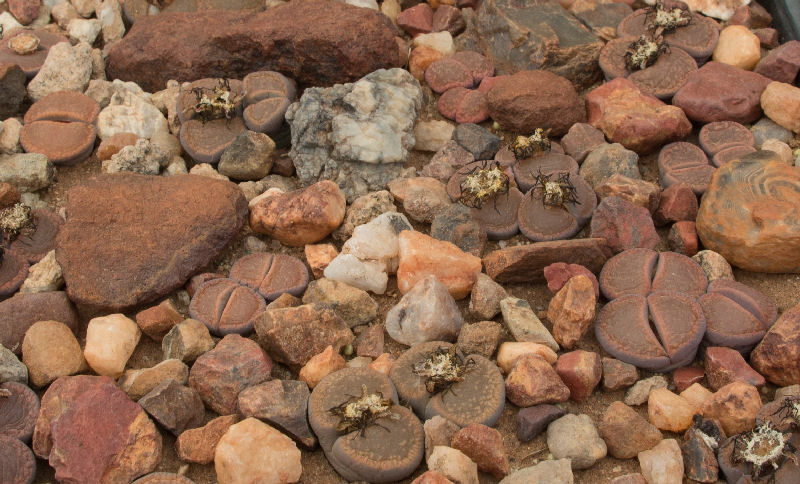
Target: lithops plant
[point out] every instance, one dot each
(435, 379)
(364, 433)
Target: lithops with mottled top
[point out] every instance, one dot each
(436, 379)
(364, 433)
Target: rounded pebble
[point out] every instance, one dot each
(61, 143)
(717, 136)
(18, 411)
(17, 464)
(225, 306)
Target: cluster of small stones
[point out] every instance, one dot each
(261, 313)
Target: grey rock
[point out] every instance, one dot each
(479, 141)
(607, 160)
(455, 224)
(484, 301)
(545, 472)
(175, 406)
(362, 210)
(425, 313)
(249, 156)
(356, 134)
(524, 324)
(639, 393)
(537, 35)
(11, 369)
(67, 68)
(438, 431)
(575, 437)
(282, 404)
(28, 172)
(144, 157)
(355, 306)
(766, 129)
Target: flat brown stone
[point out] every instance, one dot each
(271, 274)
(30, 63)
(676, 272)
(717, 136)
(729, 324)
(123, 224)
(65, 106)
(750, 298)
(62, 143)
(540, 222)
(16, 461)
(683, 162)
(225, 306)
(526, 263)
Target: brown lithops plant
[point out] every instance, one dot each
(466, 389)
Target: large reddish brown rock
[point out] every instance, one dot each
(20, 313)
(152, 233)
(735, 406)
(533, 381)
(317, 43)
(781, 64)
(720, 92)
(95, 433)
(572, 310)
(778, 354)
(725, 365)
(526, 263)
(484, 445)
(536, 99)
(639, 122)
(755, 233)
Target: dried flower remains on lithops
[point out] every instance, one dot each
(358, 413)
(526, 146)
(643, 52)
(555, 189)
(16, 220)
(789, 411)
(442, 368)
(481, 183)
(764, 448)
(661, 19)
(217, 103)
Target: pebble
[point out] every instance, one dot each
(453, 464)
(575, 437)
(781, 102)
(198, 445)
(455, 224)
(639, 122)
(525, 263)
(293, 335)
(775, 353)
(13, 272)
(572, 310)
(157, 321)
(186, 341)
(221, 373)
(377, 241)
(582, 139)
(175, 406)
(137, 383)
(618, 374)
(110, 341)
(24, 310)
(420, 59)
(639, 192)
(634, 478)
(684, 377)
(11, 369)
(624, 225)
(67, 68)
(782, 63)
(484, 445)
(84, 30)
(27, 172)
(669, 411)
(783, 150)
(735, 407)
(607, 161)
(524, 324)
(484, 301)
(252, 450)
(113, 144)
(558, 273)
(362, 210)
(300, 217)
(431, 477)
(480, 338)
(738, 46)
(423, 198)
(640, 391)
(439, 41)
(663, 464)
(545, 472)
(43, 276)
(353, 305)
(533, 381)
(477, 140)
(271, 274)
(448, 18)
(50, 350)
(625, 432)
(699, 446)
(129, 111)
(9, 136)
(416, 20)
(510, 352)
(282, 404)
(535, 99)
(725, 365)
(248, 157)
(366, 275)
(581, 371)
(697, 395)
(427, 312)
(35, 246)
(438, 432)
(422, 256)
(320, 365)
(318, 256)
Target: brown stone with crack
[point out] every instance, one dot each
(64, 106)
(717, 136)
(225, 306)
(683, 162)
(271, 274)
(62, 143)
(22, 311)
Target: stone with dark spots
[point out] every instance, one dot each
(282, 404)
(448, 18)
(699, 456)
(484, 446)
(317, 43)
(526, 263)
(558, 273)
(233, 365)
(124, 223)
(720, 92)
(22, 311)
(198, 445)
(581, 371)
(176, 407)
(532, 421)
(416, 20)
(455, 224)
(12, 83)
(447, 73)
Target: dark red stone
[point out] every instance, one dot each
(318, 43)
(559, 273)
(449, 18)
(271, 274)
(448, 73)
(717, 136)
(726, 365)
(581, 372)
(624, 225)
(416, 20)
(22, 311)
(282, 404)
(678, 202)
(687, 376)
(13, 271)
(464, 105)
(25, 11)
(17, 464)
(682, 238)
(18, 411)
(618, 374)
(781, 64)
(768, 37)
(176, 407)
(531, 421)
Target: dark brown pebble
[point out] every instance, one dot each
(17, 464)
(36, 245)
(271, 274)
(13, 271)
(750, 298)
(729, 324)
(267, 115)
(719, 135)
(498, 216)
(225, 306)
(18, 411)
(540, 222)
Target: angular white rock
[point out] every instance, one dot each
(130, 113)
(84, 30)
(441, 41)
(45, 275)
(110, 341)
(377, 240)
(252, 451)
(663, 464)
(368, 276)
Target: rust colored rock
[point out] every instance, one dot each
(624, 225)
(123, 223)
(484, 445)
(330, 43)
(638, 192)
(271, 274)
(22, 311)
(34, 246)
(111, 146)
(175, 406)
(618, 374)
(638, 121)
(572, 310)
(300, 217)
(206, 141)
(558, 273)
(13, 271)
(156, 321)
(536, 99)
(526, 263)
(420, 59)
(725, 365)
(197, 445)
(196, 281)
(678, 202)
(64, 106)
(431, 477)
(463, 105)
(533, 381)
(735, 406)
(698, 38)
(233, 365)
(682, 238)
(416, 20)
(580, 371)
(754, 234)
(25, 11)
(687, 376)
(625, 432)
(720, 92)
(9, 195)
(282, 404)
(781, 64)
(777, 355)
(448, 18)
(294, 335)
